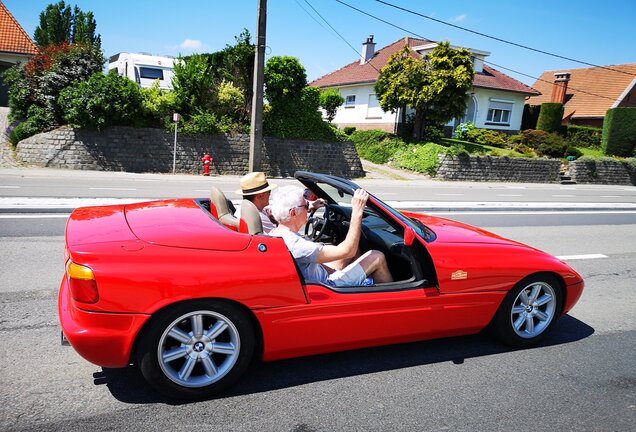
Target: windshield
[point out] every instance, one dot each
(422, 230)
(337, 196)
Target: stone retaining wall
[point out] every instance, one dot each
(151, 150)
(489, 168)
(602, 172)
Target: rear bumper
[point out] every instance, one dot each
(105, 339)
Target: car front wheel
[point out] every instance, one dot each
(529, 311)
(196, 349)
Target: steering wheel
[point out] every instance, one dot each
(317, 226)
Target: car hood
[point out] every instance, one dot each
(182, 223)
(450, 231)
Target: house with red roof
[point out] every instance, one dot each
(495, 101)
(587, 93)
(15, 46)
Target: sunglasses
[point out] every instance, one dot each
(306, 205)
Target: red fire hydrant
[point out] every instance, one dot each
(207, 161)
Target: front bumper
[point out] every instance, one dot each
(105, 339)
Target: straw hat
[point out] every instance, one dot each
(254, 183)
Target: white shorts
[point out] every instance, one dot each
(352, 275)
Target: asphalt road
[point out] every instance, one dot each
(582, 378)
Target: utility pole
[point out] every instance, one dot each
(256, 124)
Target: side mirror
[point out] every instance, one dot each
(409, 236)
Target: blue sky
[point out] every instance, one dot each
(600, 33)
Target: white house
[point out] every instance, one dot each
(495, 101)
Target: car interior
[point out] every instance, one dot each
(409, 261)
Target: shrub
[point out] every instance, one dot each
(330, 101)
(553, 146)
(583, 136)
(348, 130)
(200, 123)
(38, 120)
(103, 100)
(298, 117)
(158, 105)
(469, 132)
(550, 117)
(533, 138)
(573, 152)
(619, 132)
(433, 134)
(524, 150)
(419, 157)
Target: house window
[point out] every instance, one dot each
(499, 113)
(350, 101)
(373, 109)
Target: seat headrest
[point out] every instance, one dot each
(250, 222)
(218, 200)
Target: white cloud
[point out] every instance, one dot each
(191, 44)
(459, 18)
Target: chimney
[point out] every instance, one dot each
(368, 50)
(560, 86)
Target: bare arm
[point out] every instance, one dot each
(349, 246)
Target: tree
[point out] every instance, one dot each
(435, 86)
(58, 24)
(285, 78)
(292, 111)
(101, 101)
(330, 101)
(34, 87)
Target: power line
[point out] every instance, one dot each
(339, 35)
(487, 62)
(498, 39)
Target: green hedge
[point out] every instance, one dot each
(619, 132)
(583, 136)
(550, 117)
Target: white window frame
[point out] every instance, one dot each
(350, 101)
(499, 112)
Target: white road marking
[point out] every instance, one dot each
(581, 257)
(515, 187)
(9, 187)
(610, 196)
(34, 216)
(509, 195)
(112, 188)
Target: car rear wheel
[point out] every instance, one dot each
(529, 311)
(196, 349)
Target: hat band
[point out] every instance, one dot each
(256, 189)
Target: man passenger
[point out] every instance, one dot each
(255, 188)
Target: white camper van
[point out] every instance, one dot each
(144, 68)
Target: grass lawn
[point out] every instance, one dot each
(592, 152)
(479, 149)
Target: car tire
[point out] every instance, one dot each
(196, 349)
(529, 311)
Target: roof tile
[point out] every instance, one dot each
(356, 73)
(591, 91)
(13, 38)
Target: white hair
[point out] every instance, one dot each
(284, 199)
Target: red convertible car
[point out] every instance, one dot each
(191, 294)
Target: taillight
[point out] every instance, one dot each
(81, 282)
